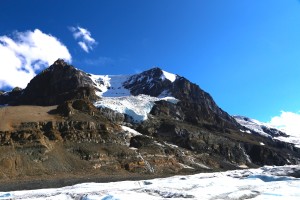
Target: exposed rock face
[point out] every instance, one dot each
(149, 82)
(54, 85)
(87, 140)
(199, 107)
(228, 145)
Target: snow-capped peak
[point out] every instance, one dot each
(266, 130)
(118, 85)
(115, 92)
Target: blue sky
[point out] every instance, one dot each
(245, 53)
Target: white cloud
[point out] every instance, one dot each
(25, 53)
(86, 42)
(288, 122)
(83, 46)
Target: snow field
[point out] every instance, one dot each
(263, 183)
(110, 85)
(137, 107)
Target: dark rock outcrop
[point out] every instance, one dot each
(168, 122)
(53, 86)
(149, 82)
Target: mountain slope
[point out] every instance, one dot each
(256, 127)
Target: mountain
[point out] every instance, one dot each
(69, 123)
(253, 126)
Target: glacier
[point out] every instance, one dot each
(115, 96)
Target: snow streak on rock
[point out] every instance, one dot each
(166, 75)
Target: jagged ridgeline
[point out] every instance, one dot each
(70, 123)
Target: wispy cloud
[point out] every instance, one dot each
(83, 38)
(288, 122)
(24, 53)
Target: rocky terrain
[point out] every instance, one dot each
(60, 126)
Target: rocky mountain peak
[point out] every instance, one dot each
(197, 105)
(56, 84)
(151, 82)
(60, 62)
(58, 66)
(153, 71)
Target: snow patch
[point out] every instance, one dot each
(166, 75)
(130, 130)
(185, 166)
(6, 196)
(137, 107)
(172, 100)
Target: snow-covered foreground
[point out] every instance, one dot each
(264, 183)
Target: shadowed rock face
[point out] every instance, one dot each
(148, 82)
(54, 85)
(228, 145)
(198, 105)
